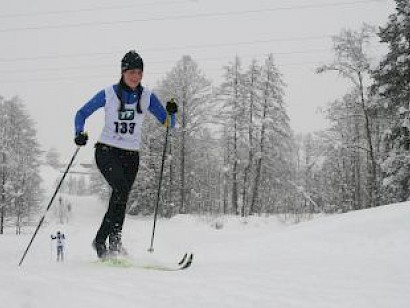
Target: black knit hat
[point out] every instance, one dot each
(131, 60)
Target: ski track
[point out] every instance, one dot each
(359, 259)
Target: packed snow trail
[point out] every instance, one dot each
(358, 259)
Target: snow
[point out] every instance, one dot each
(358, 259)
(49, 176)
(402, 110)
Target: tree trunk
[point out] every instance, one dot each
(235, 178)
(3, 194)
(259, 163)
(357, 171)
(373, 180)
(235, 152)
(182, 208)
(250, 152)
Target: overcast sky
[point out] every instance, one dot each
(55, 55)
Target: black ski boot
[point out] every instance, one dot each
(115, 245)
(100, 249)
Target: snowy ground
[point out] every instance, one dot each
(359, 259)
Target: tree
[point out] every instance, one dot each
(253, 80)
(392, 86)
(352, 62)
(19, 150)
(275, 144)
(256, 137)
(188, 85)
(233, 96)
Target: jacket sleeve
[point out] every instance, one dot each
(158, 110)
(88, 109)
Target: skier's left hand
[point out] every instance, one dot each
(81, 139)
(172, 106)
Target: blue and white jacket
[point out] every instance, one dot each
(122, 128)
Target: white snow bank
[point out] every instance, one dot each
(359, 259)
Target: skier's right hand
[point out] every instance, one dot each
(81, 139)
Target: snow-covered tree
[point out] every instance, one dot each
(341, 151)
(191, 89)
(253, 109)
(352, 62)
(188, 85)
(19, 171)
(232, 114)
(274, 154)
(392, 85)
(256, 137)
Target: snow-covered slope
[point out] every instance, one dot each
(49, 177)
(359, 259)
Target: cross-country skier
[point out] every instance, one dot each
(59, 237)
(116, 152)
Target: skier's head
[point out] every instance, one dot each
(58, 232)
(132, 68)
(131, 60)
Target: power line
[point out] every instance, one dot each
(191, 16)
(167, 49)
(197, 59)
(75, 78)
(93, 9)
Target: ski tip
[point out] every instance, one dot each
(188, 262)
(183, 259)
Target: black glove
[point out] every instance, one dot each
(81, 139)
(172, 106)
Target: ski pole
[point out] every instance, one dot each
(49, 205)
(151, 248)
(51, 248)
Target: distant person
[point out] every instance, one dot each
(69, 208)
(60, 238)
(116, 152)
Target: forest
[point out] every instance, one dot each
(234, 152)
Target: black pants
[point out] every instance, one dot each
(119, 167)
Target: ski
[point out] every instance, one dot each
(188, 263)
(122, 262)
(185, 263)
(183, 259)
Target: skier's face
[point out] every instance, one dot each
(132, 78)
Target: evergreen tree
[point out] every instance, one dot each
(232, 114)
(275, 145)
(253, 109)
(188, 85)
(256, 138)
(392, 85)
(19, 172)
